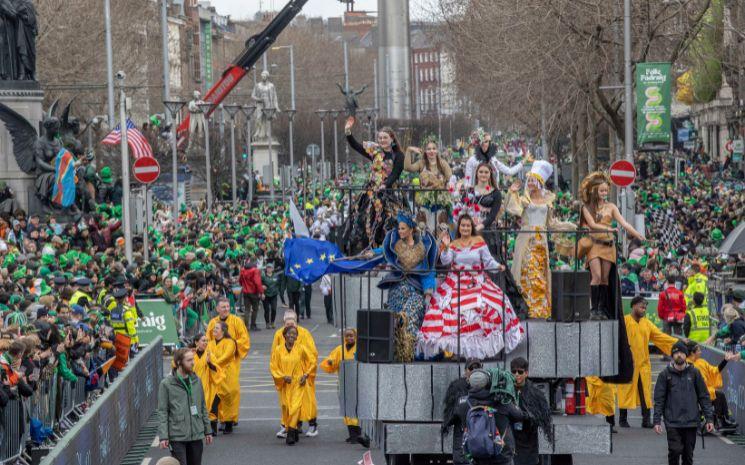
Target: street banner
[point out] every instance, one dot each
(157, 320)
(653, 103)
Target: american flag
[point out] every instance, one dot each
(136, 141)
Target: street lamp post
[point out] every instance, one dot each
(334, 116)
(126, 218)
(233, 110)
(375, 113)
(248, 111)
(174, 107)
(207, 108)
(269, 115)
(322, 114)
(291, 120)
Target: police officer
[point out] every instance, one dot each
(124, 317)
(696, 322)
(81, 295)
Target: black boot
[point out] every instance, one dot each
(646, 423)
(611, 420)
(594, 302)
(291, 438)
(604, 302)
(623, 421)
(352, 439)
(228, 427)
(213, 424)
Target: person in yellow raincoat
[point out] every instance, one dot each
(210, 374)
(309, 411)
(291, 366)
(712, 375)
(222, 350)
(346, 351)
(640, 332)
(601, 400)
(239, 334)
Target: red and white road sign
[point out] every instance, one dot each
(146, 170)
(622, 173)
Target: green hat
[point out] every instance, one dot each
(19, 273)
(47, 259)
(106, 175)
(44, 271)
(44, 288)
(716, 234)
(85, 259)
(205, 241)
(196, 265)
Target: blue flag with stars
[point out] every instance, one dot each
(307, 260)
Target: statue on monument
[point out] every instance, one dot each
(18, 30)
(265, 96)
(44, 155)
(350, 97)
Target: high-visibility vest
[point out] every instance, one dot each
(79, 295)
(123, 320)
(699, 324)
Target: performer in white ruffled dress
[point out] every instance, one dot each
(468, 302)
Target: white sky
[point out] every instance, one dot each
(239, 9)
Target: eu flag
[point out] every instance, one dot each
(307, 260)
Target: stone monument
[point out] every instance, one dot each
(19, 89)
(264, 144)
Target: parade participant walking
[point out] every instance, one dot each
(671, 308)
(234, 327)
(309, 410)
(598, 215)
(253, 293)
(346, 351)
(183, 418)
(713, 378)
(223, 353)
(640, 332)
(680, 397)
(271, 282)
(533, 404)
(211, 375)
(328, 298)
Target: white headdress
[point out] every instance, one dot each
(541, 170)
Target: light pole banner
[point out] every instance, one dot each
(652, 103)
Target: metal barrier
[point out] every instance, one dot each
(13, 431)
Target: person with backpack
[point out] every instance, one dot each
(457, 389)
(486, 422)
(680, 396)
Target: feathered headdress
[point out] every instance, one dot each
(430, 139)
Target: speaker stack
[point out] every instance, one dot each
(570, 295)
(375, 336)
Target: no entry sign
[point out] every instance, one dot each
(146, 170)
(622, 173)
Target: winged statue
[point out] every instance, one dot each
(49, 156)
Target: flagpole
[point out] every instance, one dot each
(126, 219)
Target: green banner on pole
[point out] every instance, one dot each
(653, 103)
(157, 320)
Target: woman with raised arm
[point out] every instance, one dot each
(377, 206)
(598, 215)
(468, 314)
(434, 173)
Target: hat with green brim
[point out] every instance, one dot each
(106, 175)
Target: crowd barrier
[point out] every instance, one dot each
(733, 378)
(108, 428)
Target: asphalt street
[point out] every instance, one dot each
(254, 441)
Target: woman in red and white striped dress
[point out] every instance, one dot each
(485, 319)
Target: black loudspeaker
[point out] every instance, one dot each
(570, 295)
(375, 336)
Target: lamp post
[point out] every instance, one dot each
(232, 110)
(207, 108)
(269, 115)
(322, 114)
(334, 116)
(248, 111)
(174, 107)
(375, 113)
(126, 218)
(291, 119)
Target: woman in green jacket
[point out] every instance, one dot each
(184, 420)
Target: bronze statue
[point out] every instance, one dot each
(36, 154)
(350, 96)
(18, 30)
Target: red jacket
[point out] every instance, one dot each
(250, 279)
(671, 305)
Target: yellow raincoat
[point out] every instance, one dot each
(332, 364)
(601, 397)
(223, 354)
(309, 410)
(211, 379)
(640, 334)
(294, 363)
(239, 333)
(710, 373)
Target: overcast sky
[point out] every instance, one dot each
(239, 9)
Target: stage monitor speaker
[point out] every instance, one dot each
(375, 336)
(570, 295)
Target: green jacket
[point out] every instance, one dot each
(292, 285)
(64, 370)
(174, 410)
(272, 284)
